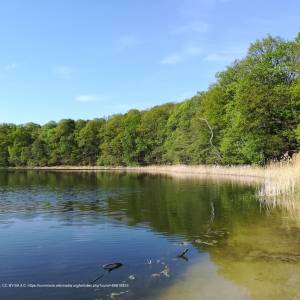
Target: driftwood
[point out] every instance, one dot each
(112, 266)
(183, 254)
(108, 268)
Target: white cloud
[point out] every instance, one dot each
(171, 59)
(11, 66)
(63, 71)
(195, 27)
(87, 98)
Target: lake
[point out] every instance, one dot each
(58, 229)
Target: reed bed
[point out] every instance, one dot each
(280, 178)
(276, 179)
(278, 183)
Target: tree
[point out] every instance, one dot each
(250, 115)
(187, 136)
(130, 136)
(153, 134)
(111, 148)
(5, 142)
(63, 147)
(23, 136)
(88, 141)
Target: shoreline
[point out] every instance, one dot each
(275, 179)
(207, 170)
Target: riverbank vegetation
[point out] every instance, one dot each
(274, 180)
(250, 115)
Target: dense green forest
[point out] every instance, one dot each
(253, 110)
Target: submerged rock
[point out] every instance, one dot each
(115, 295)
(198, 241)
(184, 243)
(165, 272)
(112, 266)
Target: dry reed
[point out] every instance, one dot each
(275, 179)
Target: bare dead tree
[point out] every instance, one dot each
(214, 148)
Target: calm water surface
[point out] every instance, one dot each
(59, 228)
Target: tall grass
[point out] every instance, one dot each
(278, 183)
(282, 178)
(281, 187)
(276, 179)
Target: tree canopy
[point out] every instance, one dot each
(253, 110)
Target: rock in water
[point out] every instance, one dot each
(166, 271)
(115, 295)
(112, 266)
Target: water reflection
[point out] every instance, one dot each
(71, 220)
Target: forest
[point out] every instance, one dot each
(253, 111)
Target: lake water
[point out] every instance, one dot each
(57, 230)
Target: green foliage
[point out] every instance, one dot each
(297, 131)
(253, 110)
(131, 125)
(5, 142)
(153, 133)
(88, 141)
(187, 135)
(259, 114)
(111, 148)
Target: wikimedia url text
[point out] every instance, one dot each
(64, 285)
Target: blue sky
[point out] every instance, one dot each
(83, 59)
